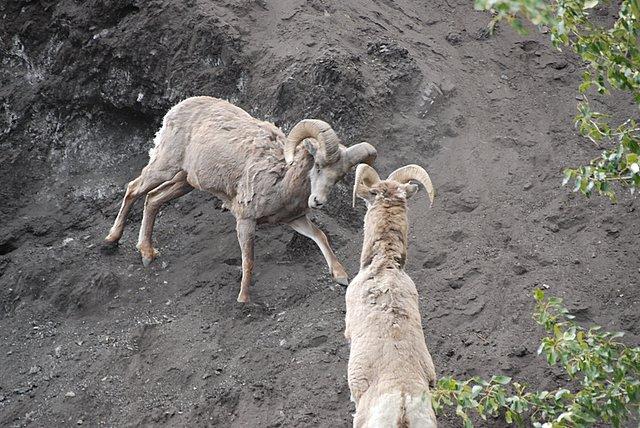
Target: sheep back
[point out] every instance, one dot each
(388, 351)
(225, 151)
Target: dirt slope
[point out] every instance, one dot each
(94, 338)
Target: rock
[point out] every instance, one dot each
(552, 227)
(464, 203)
(461, 279)
(435, 260)
(460, 121)
(454, 39)
(447, 87)
(519, 351)
(448, 131)
(519, 269)
(559, 65)
(33, 370)
(580, 311)
(455, 283)
(474, 309)
(23, 390)
(482, 33)
(70, 394)
(612, 231)
(512, 142)
(314, 342)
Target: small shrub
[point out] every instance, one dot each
(606, 370)
(612, 56)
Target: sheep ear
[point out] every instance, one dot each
(365, 193)
(311, 146)
(366, 177)
(410, 189)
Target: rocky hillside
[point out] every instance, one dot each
(93, 338)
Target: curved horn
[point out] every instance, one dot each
(413, 172)
(365, 176)
(313, 128)
(361, 153)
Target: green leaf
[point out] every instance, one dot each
(500, 379)
(608, 392)
(508, 416)
(561, 393)
(475, 391)
(481, 412)
(584, 86)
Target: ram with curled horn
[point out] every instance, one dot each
(260, 175)
(390, 371)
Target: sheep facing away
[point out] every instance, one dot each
(209, 144)
(390, 368)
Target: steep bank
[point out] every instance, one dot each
(83, 88)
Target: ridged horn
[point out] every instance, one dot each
(313, 128)
(361, 153)
(365, 176)
(413, 172)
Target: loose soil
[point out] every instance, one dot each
(96, 339)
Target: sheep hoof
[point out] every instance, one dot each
(112, 238)
(148, 254)
(340, 275)
(243, 298)
(108, 247)
(342, 280)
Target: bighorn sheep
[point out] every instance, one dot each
(390, 368)
(209, 144)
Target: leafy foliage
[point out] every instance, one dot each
(606, 371)
(613, 58)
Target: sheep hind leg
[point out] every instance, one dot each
(146, 182)
(246, 229)
(167, 191)
(305, 227)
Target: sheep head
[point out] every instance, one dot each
(396, 188)
(332, 160)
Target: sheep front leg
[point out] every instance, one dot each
(167, 191)
(305, 227)
(246, 229)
